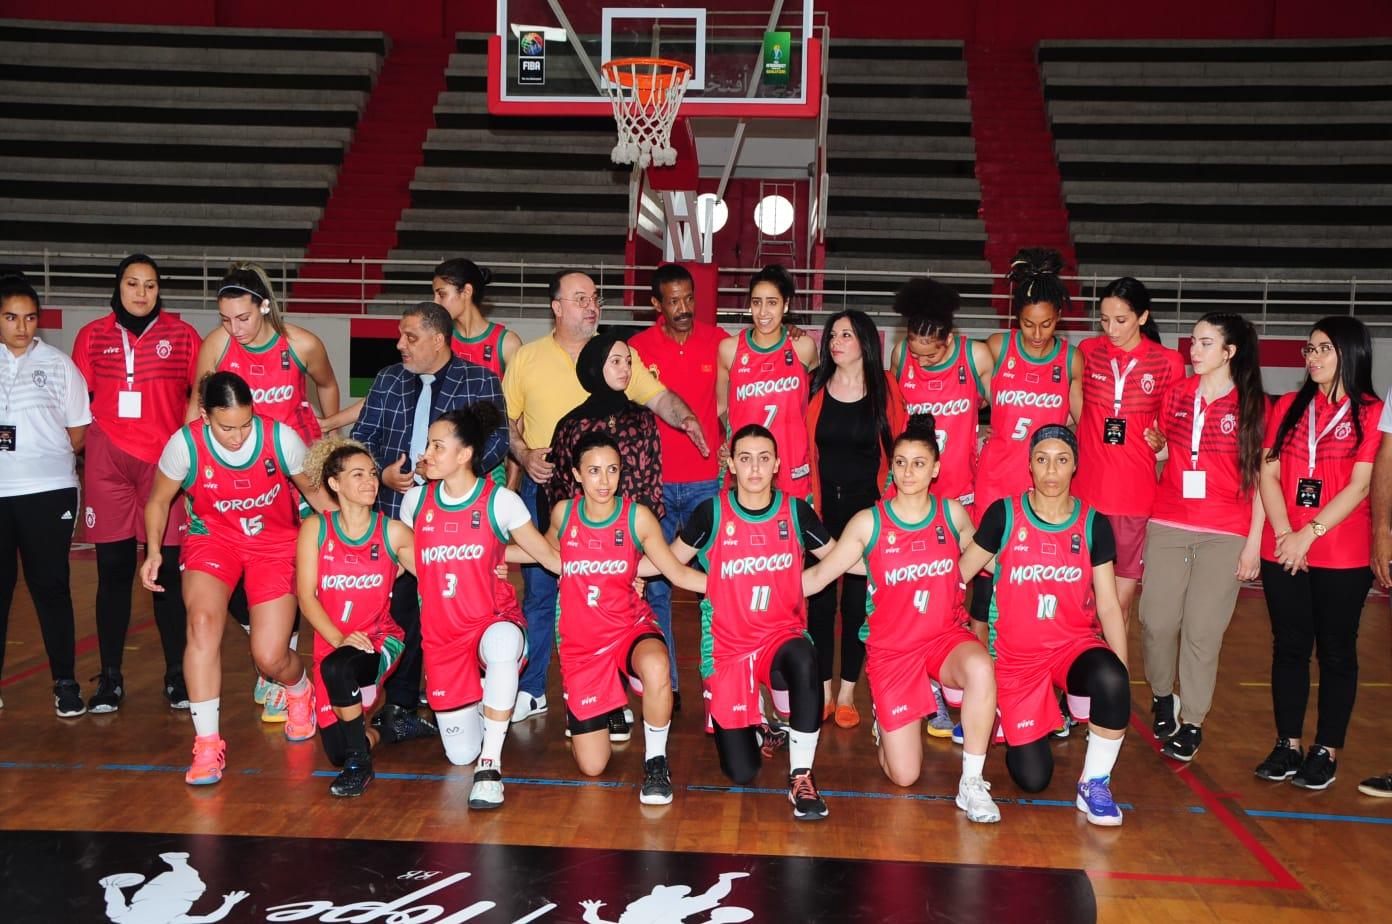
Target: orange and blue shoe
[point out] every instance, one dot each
(259, 691)
(300, 720)
(209, 758)
(274, 708)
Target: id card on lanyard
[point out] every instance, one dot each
(1114, 427)
(1309, 490)
(9, 432)
(1196, 479)
(128, 399)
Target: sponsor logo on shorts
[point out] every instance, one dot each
(756, 564)
(264, 499)
(1028, 574)
(769, 387)
(899, 710)
(440, 553)
(1019, 397)
(1025, 723)
(589, 700)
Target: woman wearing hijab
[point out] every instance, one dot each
(604, 368)
(139, 365)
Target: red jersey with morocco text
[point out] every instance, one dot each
(485, 350)
(595, 600)
(953, 394)
(277, 380)
(355, 582)
(249, 506)
(769, 387)
(754, 570)
(1116, 466)
(915, 591)
(1026, 394)
(458, 550)
(1042, 599)
(1223, 507)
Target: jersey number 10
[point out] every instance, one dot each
(1048, 604)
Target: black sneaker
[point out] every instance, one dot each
(396, 724)
(175, 691)
(67, 699)
(1281, 764)
(772, 738)
(619, 729)
(111, 690)
(1164, 708)
(356, 774)
(1379, 787)
(657, 782)
(802, 793)
(1317, 772)
(1184, 744)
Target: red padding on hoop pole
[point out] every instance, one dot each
(706, 277)
(687, 170)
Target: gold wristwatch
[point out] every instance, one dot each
(1318, 528)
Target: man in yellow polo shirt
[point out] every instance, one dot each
(541, 387)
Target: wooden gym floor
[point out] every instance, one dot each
(1207, 840)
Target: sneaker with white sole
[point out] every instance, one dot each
(275, 710)
(620, 727)
(657, 782)
(487, 791)
(808, 804)
(528, 706)
(1317, 770)
(111, 692)
(67, 699)
(974, 798)
(1095, 801)
(1165, 710)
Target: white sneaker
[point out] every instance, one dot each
(487, 791)
(528, 706)
(974, 798)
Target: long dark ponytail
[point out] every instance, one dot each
(1245, 370)
(1134, 293)
(1354, 348)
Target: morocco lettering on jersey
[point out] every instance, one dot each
(771, 387)
(248, 503)
(239, 503)
(1025, 574)
(942, 408)
(1018, 397)
(917, 572)
(914, 588)
(440, 553)
(756, 564)
(951, 391)
(351, 581)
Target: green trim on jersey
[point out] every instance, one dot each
(633, 528)
(323, 529)
(384, 524)
(337, 526)
(946, 363)
(994, 613)
(560, 535)
(912, 527)
(607, 521)
(390, 653)
(748, 334)
(275, 444)
(976, 376)
(212, 447)
(469, 498)
(1050, 527)
(707, 612)
(192, 474)
(498, 530)
(1059, 343)
(870, 578)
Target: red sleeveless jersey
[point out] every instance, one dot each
(754, 568)
(1026, 394)
(277, 380)
(485, 350)
(250, 505)
(915, 590)
(1042, 599)
(458, 550)
(953, 394)
(599, 561)
(355, 582)
(769, 387)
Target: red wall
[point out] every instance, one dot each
(989, 21)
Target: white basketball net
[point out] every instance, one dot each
(645, 93)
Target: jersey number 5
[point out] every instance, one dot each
(1022, 428)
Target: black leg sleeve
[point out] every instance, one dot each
(738, 749)
(1031, 765)
(346, 671)
(794, 669)
(1099, 675)
(403, 686)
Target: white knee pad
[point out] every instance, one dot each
(461, 731)
(501, 649)
(1080, 708)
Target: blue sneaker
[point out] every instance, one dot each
(1095, 800)
(957, 734)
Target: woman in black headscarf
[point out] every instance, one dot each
(604, 368)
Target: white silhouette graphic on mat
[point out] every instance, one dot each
(674, 904)
(166, 899)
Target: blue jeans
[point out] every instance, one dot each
(539, 608)
(680, 499)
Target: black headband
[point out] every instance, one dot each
(1055, 432)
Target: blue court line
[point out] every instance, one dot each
(1316, 816)
(29, 765)
(147, 768)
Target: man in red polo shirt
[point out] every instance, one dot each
(680, 352)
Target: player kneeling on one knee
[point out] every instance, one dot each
(916, 631)
(473, 651)
(1053, 585)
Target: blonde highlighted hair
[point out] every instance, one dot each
(325, 459)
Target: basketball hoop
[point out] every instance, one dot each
(646, 93)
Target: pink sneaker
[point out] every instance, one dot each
(209, 757)
(300, 719)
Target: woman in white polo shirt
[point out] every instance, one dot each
(43, 423)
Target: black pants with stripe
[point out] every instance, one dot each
(37, 529)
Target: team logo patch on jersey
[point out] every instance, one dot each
(574, 532)
(618, 537)
(782, 529)
(1057, 373)
(1010, 363)
(787, 357)
(163, 349)
(1342, 432)
(430, 516)
(488, 353)
(40, 378)
(475, 519)
(1075, 544)
(942, 535)
(729, 529)
(207, 473)
(270, 467)
(744, 360)
(890, 539)
(330, 547)
(375, 553)
(284, 359)
(961, 376)
(1228, 424)
(1147, 383)
(1022, 535)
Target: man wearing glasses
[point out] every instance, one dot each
(541, 387)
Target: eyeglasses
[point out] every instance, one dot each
(1310, 349)
(584, 301)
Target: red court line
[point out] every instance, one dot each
(84, 646)
(1191, 880)
(1282, 879)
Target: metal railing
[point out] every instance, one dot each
(519, 288)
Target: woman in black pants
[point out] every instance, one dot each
(1321, 442)
(43, 423)
(855, 410)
